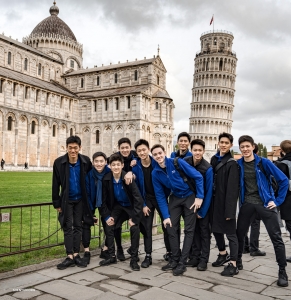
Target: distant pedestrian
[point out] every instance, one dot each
(2, 164)
(183, 144)
(25, 165)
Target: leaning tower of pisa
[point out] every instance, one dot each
(213, 89)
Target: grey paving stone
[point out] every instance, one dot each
(124, 266)
(22, 281)
(266, 271)
(278, 292)
(124, 285)
(56, 273)
(48, 297)
(256, 277)
(68, 290)
(86, 278)
(265, 261)
(192, 292)
(157, 294)
(26, 294)
(186, 280)
(109, 296)
(238, 294)
(250, 265)
(115, 290)
(94, 262)
(146, 277)
(110, 271)
(7, 297)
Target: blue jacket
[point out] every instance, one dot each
(174, 154)
(91, 188)
(265, 190)
(172, 180)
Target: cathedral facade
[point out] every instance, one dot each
(46, 95)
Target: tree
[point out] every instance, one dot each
(265, 152)
(232, 152)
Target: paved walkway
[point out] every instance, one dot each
(257, 281)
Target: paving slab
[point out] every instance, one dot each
(110, 271)
(109, 296)
(192, 292)
(266, 271)
(7, 297)
(266, 262)
(158, 294)
(86, 278)
(146, 277)
(22, 281)
(256, 277)
(26, 294)
(186, 280)
(56, 273)
(68, 290)
(124, 285)
(115, 290)
(238, 294)
(278, 292)
(48, 297)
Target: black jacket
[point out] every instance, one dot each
(108, 200)
(225, 197)
(285, 208)
(60, 186)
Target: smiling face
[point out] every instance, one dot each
(224, 145)
(247, 149)
(197, 152)
(159, 155)
(183, 143)
(116, 167)
(125, 149)
(73, 151)
(142, 152)
(99, 163)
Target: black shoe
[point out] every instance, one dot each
(230, 270)
(239, 264)
(120, 254)
(193, 262)
(202, 266)
(288, 259)
(86, 257)
(282, 278)
(68, 262)
(246, 250)
(147, 262)
(79, 262)
(170, 266)
(180, 269)
(167, 256)
(134, 265)
(221, 260)
(108, 261)
(104, 254)
(258, 253)
(129, 251)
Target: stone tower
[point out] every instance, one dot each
(213, 89)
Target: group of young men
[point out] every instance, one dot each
(131, 185)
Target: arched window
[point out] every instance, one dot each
(25, 64)
(33, 127)
(54, 130)
(71, 132)
(115, 78)
(117, 103)
(72, 64)
(37, 95)
(9, 58)
(39, 69)
(220, 64)
(26, 92)
(135, 75)
(95, 105)
(9, 123)
(47, 98)
(158, 80)
(157, 105)
(14, 89)
(128, 101)
(97, 136)
(98, 80)
(1, 85)
(82, 82)
(215, 41)
(106, 104)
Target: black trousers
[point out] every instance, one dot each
(86, 234)
(233, 244)
(253, 242)
(288, 226)
(73, 226)
(177, 207)
(116, 213)
(270, 219)
(201, 241)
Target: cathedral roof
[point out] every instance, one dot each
(54, 25)
(160, 94)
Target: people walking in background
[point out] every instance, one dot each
(2, 164)
(25, 165)
(183, 143)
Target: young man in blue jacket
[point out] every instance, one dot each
(143, 178)
(182, 201)
(183, 143)
(257, 196)
(200, 251)
(94, 197)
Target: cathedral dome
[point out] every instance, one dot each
(54, 25)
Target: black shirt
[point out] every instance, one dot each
(147, 174)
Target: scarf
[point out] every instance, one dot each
(98, 177)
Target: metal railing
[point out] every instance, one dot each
(217, 31)
(227, 52)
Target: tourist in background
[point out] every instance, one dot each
(183, 144)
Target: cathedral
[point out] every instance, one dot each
(46, 96)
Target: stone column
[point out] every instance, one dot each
(38, 143)
(28, 141)
(16, 144)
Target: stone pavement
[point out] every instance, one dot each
(257, 281)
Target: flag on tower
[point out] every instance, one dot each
(212, 19)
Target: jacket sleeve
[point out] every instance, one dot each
(282, 180)
(193, 173)
(137, 202)
(232, 191)
(173, 155)
(160, 196)
(139, 183)
(104, 210)
(88, 191)
(208, 185)
(56, 184)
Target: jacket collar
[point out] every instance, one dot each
(65, 158)
(286, 157)
(109, 176)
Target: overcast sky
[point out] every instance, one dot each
(120, 30)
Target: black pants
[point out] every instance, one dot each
(177, 207)
(233, 244)
(270, 219)
(116, 213)
(73, 226)
(86, 234)
(253, 242)
(201, 241)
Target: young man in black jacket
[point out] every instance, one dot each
(120, 199)
(70, 200)
(224, 204)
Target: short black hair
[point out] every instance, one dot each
(226, 135)
(141, 142)
(124, 140)
(256, 150)
(198, 142)
(157, 146)
(73, 139)
(96, 154)
(246, 138)
(115, 157)
(186, 134)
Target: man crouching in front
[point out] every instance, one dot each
(124, 200)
